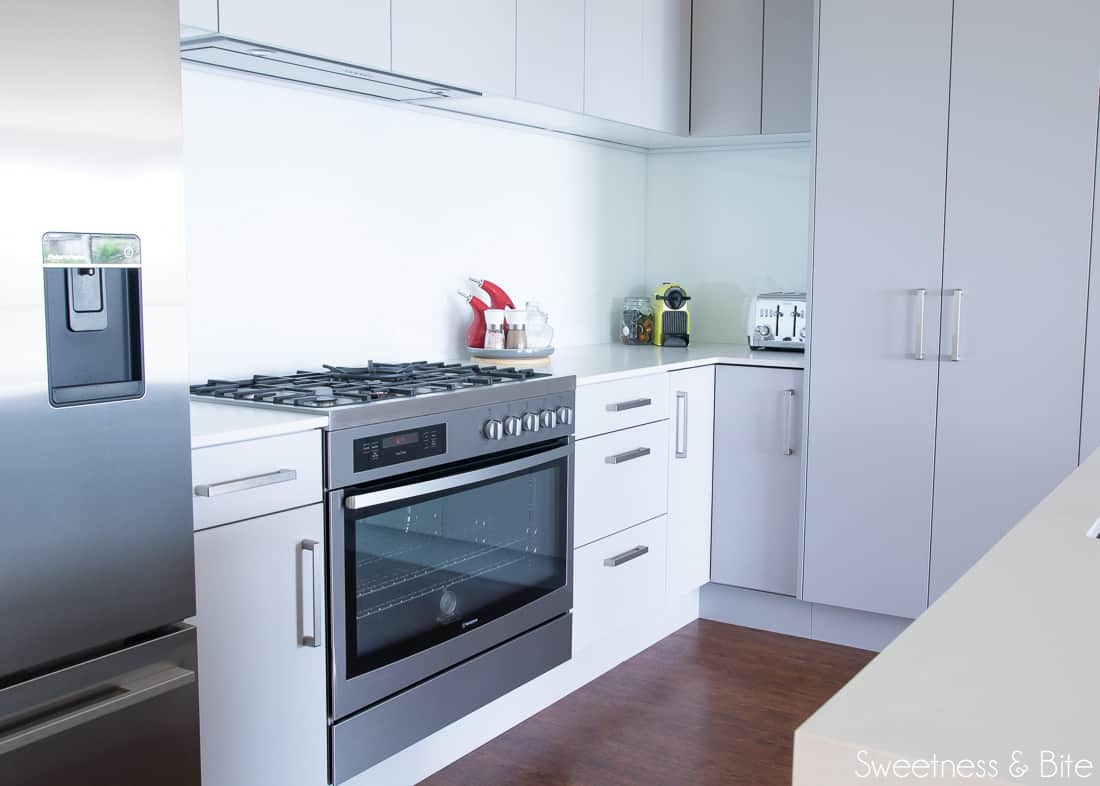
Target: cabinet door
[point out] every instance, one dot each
(788, 66)
(880, 168)
(1019, 222)
(666, 65)
(202, 15)
(613, 60)
(1090, 406)
(726, 61)
(757, 478)
(467, 43)
(262, 693)
(691, 448)
(357, 31)
(550, 53)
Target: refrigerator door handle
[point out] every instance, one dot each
(128, 690)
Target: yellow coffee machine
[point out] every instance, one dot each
(671, 320)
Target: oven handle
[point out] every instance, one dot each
(397, 493)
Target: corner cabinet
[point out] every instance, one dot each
(757, 478)
(691, 446)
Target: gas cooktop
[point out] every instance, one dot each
(391, 389)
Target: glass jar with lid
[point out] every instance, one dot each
(636, 326)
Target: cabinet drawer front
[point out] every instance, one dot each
(246, 479)
(617, 581)
(610, 406)
(621, 480)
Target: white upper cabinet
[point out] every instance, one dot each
(550, 53)
(751, 67)
(788, 66)
(726, 62)
(637, 62)
(357, 31)
(613, 35)
(666, 65)
(199, 14)
(465, 43)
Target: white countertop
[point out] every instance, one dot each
(218, 424)
(1005, 661)
(607, 362)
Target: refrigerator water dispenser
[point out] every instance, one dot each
(93, 317)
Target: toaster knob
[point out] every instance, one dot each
(530, 422)
(763, 330)
(512, 426)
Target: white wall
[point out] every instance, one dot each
(331, 229)
(727, 225)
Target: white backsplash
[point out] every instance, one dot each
(330, 229)
(727, 225)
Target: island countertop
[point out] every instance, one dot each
(1001, 670)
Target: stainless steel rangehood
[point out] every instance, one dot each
(256, 58)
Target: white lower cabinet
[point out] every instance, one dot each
(622, 479)
(262, 690)
(691, 445)
(618, 580)
(757, 467)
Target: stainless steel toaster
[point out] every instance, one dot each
(777, 320)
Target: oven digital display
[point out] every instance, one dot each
(397, 440)
(387, 449)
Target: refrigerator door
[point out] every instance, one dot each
(95, 510)
(126, 719)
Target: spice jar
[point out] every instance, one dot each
(517, 329)
(637, 321)
(494, 328)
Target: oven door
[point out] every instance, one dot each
(433, 568)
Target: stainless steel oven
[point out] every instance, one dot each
(449, 568)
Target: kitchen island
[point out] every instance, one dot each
(996, 682)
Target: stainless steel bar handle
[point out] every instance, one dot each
(316, 604)
(956, 334)
(244, 484)
(129, 690)
(636, 403)
(629, 455)
(921, 294)
(681, 424)
(626, 556)
(788, 430)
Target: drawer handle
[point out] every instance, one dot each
(636, 403)
(629, 455)
(244, 484)
(626, 556)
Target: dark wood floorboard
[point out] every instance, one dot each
(710, 704)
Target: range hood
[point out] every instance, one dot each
(256, 58)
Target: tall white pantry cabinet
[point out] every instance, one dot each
(953, 217)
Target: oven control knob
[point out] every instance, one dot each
(547, 418)
(530, 422)
(512, 426)
(565, 415)
(494, 429)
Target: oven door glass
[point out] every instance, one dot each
(424, 569)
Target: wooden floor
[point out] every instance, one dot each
(710, 704)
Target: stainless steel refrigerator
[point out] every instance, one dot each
(97, 670)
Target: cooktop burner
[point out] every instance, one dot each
(339, 386)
